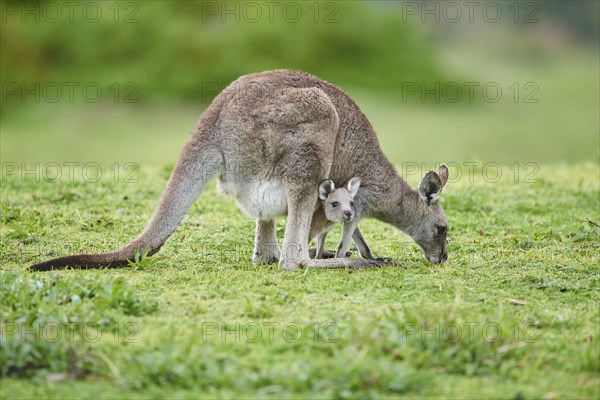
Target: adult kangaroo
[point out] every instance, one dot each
(271, 138)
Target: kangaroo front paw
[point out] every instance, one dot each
(326, 253)
(382, 259)
(371, 257)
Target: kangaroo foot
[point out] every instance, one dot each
(326, 253)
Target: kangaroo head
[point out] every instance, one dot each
(338, 204)
(431, 229)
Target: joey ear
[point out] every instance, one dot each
(430, 188)
(442, 172)
(353, 185)
(325, 188)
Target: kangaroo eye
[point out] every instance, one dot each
(351, 204)
(442, 230)
(335, 204)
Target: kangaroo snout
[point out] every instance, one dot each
(438, 259)
(347, 215)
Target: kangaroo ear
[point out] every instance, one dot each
(325, 188)
(353, 185)
(442, 172)
(430, 188)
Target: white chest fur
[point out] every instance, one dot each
(262, 199)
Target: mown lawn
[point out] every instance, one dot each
(514, 313)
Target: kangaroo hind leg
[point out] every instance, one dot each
(266, 246)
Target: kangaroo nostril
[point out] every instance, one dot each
(348, 213)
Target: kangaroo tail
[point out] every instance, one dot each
(200, 161)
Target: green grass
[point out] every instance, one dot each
(183, 323)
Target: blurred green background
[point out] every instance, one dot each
(440, 81)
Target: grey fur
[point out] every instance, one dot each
(338, 205)
(271, 138)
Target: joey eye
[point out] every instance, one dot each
(351, 204)
(335, 204)
(442, 230)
